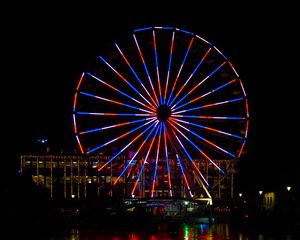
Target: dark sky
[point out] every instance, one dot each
(55, 45)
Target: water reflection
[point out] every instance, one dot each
(181, 231)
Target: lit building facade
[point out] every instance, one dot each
(75, 176)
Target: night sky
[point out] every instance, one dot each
(55, 46)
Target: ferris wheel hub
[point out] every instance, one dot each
(163, 112)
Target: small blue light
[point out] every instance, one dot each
(42, 140)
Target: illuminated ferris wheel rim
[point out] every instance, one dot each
(162, 107)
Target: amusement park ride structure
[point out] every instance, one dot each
(173, 103)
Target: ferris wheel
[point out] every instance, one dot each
(168, 100)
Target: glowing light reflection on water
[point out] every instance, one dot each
(183, 231)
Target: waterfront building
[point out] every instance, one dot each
(77, 177)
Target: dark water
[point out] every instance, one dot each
(176, 231)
